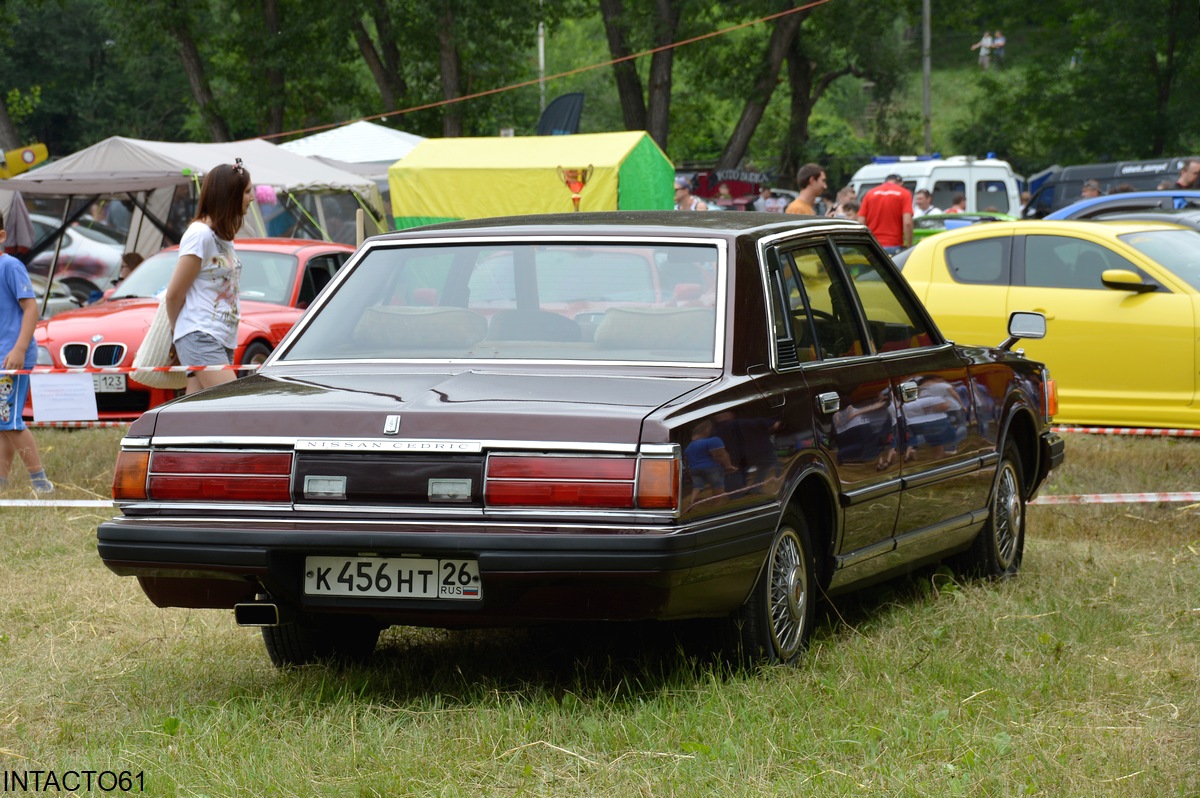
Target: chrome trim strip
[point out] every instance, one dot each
(386, 515)
(233, 441)
(852, 497)
(388, 445)
(934, 475)
(384, 444)
(514, 518)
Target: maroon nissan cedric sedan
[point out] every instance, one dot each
(610, 416)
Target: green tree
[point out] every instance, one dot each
(1105, 80)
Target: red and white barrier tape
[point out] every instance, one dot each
(1139, 431)
(77, 424)
(127, 369)
(56, 503)
(1120, 498)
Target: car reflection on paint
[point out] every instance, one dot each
(610, 417)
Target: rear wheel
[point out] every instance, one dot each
(775, 622)
(997, 552)
(310, 639)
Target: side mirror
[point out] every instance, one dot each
(1024, 324)
(1125, 280)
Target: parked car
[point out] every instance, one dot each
(1128, 202)
(61, 297)
(88, 258)
(1120, 299)
(279, 278)
(1057, 187)
(661, 416)
(925, 226)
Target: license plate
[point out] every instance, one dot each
(109, 383)
(395, 577)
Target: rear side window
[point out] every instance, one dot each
(980, 262)
(892, 318)
(819, 306)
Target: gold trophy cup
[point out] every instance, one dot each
(575, 180)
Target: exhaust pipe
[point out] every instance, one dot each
(260, 613)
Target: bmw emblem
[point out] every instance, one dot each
(97, 338)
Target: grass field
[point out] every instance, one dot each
(1079, 678)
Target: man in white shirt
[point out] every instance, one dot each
(923, 204)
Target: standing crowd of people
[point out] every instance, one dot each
(887, 209)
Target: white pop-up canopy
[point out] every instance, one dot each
(150, 172)
(356, 143)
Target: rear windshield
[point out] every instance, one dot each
(627, 302)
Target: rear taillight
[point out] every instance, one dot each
(207, 476)
(129, 478)
(616, 483)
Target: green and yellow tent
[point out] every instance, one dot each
(443, 180)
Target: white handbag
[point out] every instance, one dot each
(155, 351)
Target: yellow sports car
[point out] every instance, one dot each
(1121, 300)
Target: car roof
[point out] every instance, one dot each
(1131, 200)
(1188, 217)
(751, 224)
(1106, 229)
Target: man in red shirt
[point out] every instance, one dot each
(887, 211)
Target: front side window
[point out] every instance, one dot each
(1065, 262)
(466, 300)
(893, 321)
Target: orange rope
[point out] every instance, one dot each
(568, 73)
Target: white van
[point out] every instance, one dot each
(989, 184)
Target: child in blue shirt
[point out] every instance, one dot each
(18, 317)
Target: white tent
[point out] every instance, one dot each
(364, 148)
(150, 173)
(356, 143)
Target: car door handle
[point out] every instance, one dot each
(1045, 313)
(829, 402)
(908, 392)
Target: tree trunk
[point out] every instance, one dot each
(276, 83)
(629, 85)
(452, 122)
(661, 64)
(193, 66)
(782, 38)
(800, 80)
(9, 140)
(383, 60)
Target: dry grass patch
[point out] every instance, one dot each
(1079, 678)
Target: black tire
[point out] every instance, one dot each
(255, 354)
(776, 621)
(309, 639)
(997, 551)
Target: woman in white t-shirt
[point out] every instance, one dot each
(202, 297)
